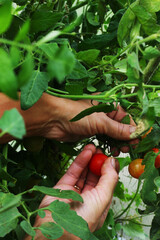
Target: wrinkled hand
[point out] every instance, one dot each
(96, 123)
(96, 192)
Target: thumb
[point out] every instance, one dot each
(107, 181)
(118, 130)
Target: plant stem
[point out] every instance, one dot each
(27, 211)
(13, 43)
(78, 6)
(5, 154)
(131, 202)
(57, 90)
(150, 69)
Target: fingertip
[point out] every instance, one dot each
(90, 147)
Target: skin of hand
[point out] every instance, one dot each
(96, 192)
(50, 117)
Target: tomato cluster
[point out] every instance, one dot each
(136, 168)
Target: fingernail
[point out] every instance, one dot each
(113, 163)
(132, 129)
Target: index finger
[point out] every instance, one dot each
(77, 167)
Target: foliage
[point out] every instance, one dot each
(71, 49)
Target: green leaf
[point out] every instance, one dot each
(26, 70)
(62, 64)
(5, 15)
(67, 194)
(92, 19)
(99, 108)
(8, 200)
(150, 6)
(27, 228)
(51, 230)
(98, 41)
(151, 52)
(152, 139)
(15, 55)
(6, 176)
(49, 49)
(155, 103)
(126, 119)
(8, 221)
(148, 193)
(23, 32)
(157, 181)
(8, 83)
(43, 19)
(148, 20)
(41, 213)
(33, 90)
(134, 230)
(78, 72)
(126, 24)
(75, 88)
(88, 56)
(69, 220)
(12, 122)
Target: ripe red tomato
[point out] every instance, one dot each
(96, 163)
(136, 168)
(157, 160)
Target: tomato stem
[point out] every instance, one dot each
(131, 202)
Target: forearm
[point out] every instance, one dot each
(37, 117)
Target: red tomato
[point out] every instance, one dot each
(157, 160)
(136, 168)
(96, 163)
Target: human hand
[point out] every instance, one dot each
(96, 123)
(96, 191)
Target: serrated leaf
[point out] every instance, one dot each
(134, 229)
(51, 230)
(88, 56)
(148, 193)
(152, 139)
(68, 194)
(99, 108)
(69, 220)
(49, 49)
(6, 176)
(157, 181)
(8, 83)
(12, 122)
(150, 6)
(8, 220)
(5, 15)
(125, 24)
(62, 64)
(151, 52)
(26, 70)
(23, 32)
(41, 213)
(43, 19)
(8, 200)
(78, 72)
(33, 90)
(27, 228)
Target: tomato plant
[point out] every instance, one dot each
(136, 168)
(96, 163)
(72, 49)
